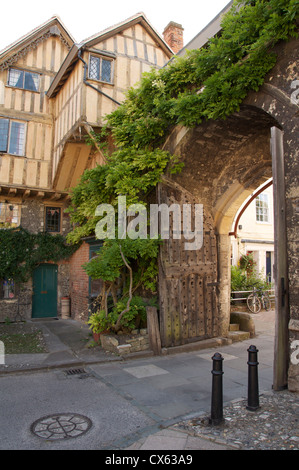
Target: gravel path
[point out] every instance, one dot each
(275, 426)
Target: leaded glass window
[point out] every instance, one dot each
(12, 136)
(100, 69)
(106, 71)
(4, 129)
(16, 138)
(53, 216)
(23, 79)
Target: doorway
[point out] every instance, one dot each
(44, 300)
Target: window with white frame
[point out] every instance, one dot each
(262, 208)
(23, 79)
(12, 136)
(100, 68)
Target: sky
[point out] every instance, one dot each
(84, 19)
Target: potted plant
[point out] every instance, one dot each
(99, 324)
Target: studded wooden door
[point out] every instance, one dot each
(187, 279)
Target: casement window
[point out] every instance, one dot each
(12, 136)
(262, 208)
(10, 214)
(100, 69)
(53, 219)
(23, 79)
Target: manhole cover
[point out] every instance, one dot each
(61, 426)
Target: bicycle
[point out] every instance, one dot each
(258, 299)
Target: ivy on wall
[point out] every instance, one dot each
(210, 83)
(22, 251)
(207, 83)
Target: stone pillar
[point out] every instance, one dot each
(293, 373)
(224, 247)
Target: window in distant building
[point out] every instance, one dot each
(12, 136)
(100, 69)
(262, 208)
(23, 79)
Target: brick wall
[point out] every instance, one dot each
(79, 283)
(173, 35)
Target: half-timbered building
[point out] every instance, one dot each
(53, 93)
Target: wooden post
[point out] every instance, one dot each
(281, 352)
(153, 330)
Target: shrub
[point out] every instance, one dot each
(242, 282)
(238, 279)
(134, 318)
(99, 322)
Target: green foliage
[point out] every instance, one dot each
(131, 172)
(109, 265)
(136, 315)
(21, 251)
(210, 83)
(101, 321)
(245, 275)
(240, 281)
(246, 262)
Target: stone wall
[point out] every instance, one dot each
(8, 310)
(20, 307)
(120, 345)
(293, 382)
(32, 216)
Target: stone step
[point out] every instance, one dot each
(234, 327)
(238, 335)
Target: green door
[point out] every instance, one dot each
(44, 300)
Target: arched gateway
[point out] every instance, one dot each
(224, 162)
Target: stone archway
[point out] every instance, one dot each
(225, 161)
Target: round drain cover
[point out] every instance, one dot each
(61, 426)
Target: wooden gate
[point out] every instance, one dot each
(187, 279)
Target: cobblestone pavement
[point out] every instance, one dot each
(274, 426)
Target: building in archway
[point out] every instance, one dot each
(253, 230)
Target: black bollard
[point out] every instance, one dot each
(253, 385)
(217, 391)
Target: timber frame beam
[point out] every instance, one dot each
(36, 193)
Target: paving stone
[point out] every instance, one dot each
(146, 371)
(274, 426)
